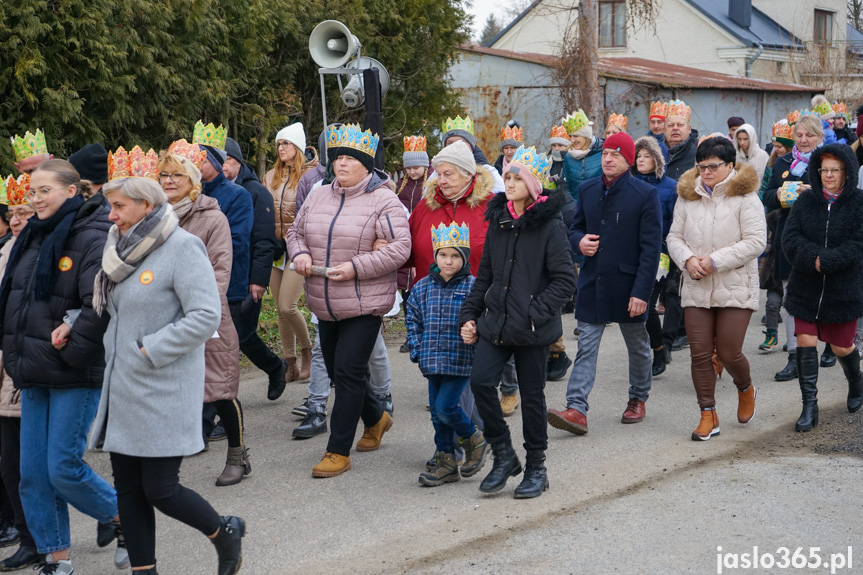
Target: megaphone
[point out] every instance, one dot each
(353, 93)
(331, 44)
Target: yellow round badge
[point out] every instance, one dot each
(146, 277)
(65, 264)
(785, 174)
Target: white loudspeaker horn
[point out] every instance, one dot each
(331, 44)
(353, 93)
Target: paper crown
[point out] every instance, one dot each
(16, 190)
(465, 124)
(415, 144)
(451, 236)
(192, 152)
(782, 129)
(559, 132)
(794, 117)
(679, 108)
(659, 109)
(538, 164)
(351, 136)
(210, 135)
(29, 145)
(133, 164)
(511, 133)
(618, 120)
(822, 108)
(575, 122)
(840, 108)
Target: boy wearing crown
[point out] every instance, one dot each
(30, 151)
(511, 137)
(444, 359)
(840, 124)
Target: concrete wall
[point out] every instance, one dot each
(798, 16)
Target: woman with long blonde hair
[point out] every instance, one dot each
(287, 285)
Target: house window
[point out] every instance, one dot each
(612, 24)
(823, 27)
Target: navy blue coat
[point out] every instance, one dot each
(628, 220)
(236, 203)
(265, 247)
(667, 189)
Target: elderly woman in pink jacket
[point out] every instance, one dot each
(349, 284)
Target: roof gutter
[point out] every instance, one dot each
(750, 61)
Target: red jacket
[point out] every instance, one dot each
(435, 209)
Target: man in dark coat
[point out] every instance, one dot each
(618, 227)
(265, 248)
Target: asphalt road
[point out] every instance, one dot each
(624, 499)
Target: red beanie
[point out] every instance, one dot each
(621, 142)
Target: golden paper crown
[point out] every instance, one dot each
(451, 236)
(840, 108)
(538, 164)
(210, 135)
(782, 129)
(511, 133)
(415, 144)
(192, 152)
(29, 145)
(559, 132)
(352, 136)
(575, 122)
(794, 117)
(459, 123)
(679, 108)
(16, 190)
(618, 120)
(659, 109)
(133, 164)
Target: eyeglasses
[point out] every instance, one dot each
(282, 144)
(22, 215)
(709, 168)
(43, 193)
(830, 171)
(171, 177)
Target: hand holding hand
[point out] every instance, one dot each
(693, 266)
(468, 332)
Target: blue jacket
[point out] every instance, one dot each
(265, 247)
(628, 219)
(667, 189)
(575, 172)
(432, 314)
(236, 203)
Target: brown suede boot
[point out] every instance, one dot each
(293, 372)
(237, 466)
(707, 427)
(305, 364)
(475, 452)
(371, 438)
(746, 404)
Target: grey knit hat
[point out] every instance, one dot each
(459, 155)
(509, 134)
(461, 134)
(415, 160)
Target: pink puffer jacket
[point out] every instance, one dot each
(336, 225)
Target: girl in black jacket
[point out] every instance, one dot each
(823, 241)
(525, 276)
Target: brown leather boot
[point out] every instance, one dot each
(305, 364)
(746, 404)
(237, 466)
(293, 372)
(707, 427)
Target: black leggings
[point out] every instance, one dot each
(231, 416)
(654, 325)
(144, 483)
(10, 472)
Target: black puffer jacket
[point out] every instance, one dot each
(265, 247)
(28, 356)
(781, 174)
(525, 275)
(832, 233)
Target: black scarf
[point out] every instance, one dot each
(54, 231)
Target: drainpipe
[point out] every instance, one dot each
(752, 59)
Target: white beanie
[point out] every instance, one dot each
(459, 155)
(293, 134)
(585, 131)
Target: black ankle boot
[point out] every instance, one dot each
(828, 358)
(535, 479)
(807, 375)
(789, 372)
(658, 361)
(229, 544)
(506, 465)
(851, 366)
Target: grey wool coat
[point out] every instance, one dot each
(151, 405)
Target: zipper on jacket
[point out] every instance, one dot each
(390, 225)
(329, 246)
(824, 277)
(532, 327)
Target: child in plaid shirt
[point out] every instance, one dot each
(444, 359)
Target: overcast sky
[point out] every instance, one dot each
(480, 10)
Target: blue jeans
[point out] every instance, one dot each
(446, 414)
(584, 369)
(54, 426)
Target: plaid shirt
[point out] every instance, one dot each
(432, 322)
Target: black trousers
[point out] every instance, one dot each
(145, 483)
(10, 473)
(673, 325)
(530, 363)
(346, 346)
(246, 314)
(654, 325)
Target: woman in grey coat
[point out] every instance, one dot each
(149, 413)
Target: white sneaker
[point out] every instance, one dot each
(62, 567)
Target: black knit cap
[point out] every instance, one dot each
(91, 161)
(366, 160)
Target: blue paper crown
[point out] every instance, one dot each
(538, 164)
(352, 136)
(451, 236)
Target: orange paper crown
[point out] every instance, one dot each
(192, 152)
(794, 117)
(679, 108)
(511, 133)
(415, 144)
(659, 110)
(782, 129)
(618, 120)
(840, 108)
(16, 190)
(134, 164)
(559, 132)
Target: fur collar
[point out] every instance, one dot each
(745, 181)
(535, 217)
(481, 190)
